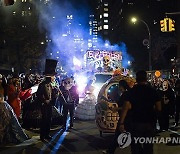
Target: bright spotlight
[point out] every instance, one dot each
(129, 62)
(133, 19)
(106, 44)
(76, 62)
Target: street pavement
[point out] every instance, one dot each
(84, 138)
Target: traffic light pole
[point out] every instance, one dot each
(149, 45)
(172, 13)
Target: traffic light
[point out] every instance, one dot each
(163, 24)
(8, 2)
(171, 25)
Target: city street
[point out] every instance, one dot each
(93, 64)
(84, 138)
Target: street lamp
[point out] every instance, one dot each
(134, 20)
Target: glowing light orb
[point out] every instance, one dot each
(157, 74)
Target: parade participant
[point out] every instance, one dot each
(14, 90)
(177, 102)
(86, 109)
(44, 96)
(55, 90)
(2, 90)
(3, 86)
(70, 99)
(59, 103)
(167, 101)
(142, 100)
(123, 88)
(10, 129)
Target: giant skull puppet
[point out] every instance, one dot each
(106, 63)
(68, 83)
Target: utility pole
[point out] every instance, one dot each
(177, 31)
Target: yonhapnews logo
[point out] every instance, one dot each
(125, 139)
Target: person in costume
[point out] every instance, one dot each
(167, 101)
(177, 102)
(69, 99)
(14, 90)
(10, 129)
(44, 96)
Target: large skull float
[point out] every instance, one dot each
(106, 119)
(106, 64)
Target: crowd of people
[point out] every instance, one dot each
(27, 108)
(157, 103)
(143, 108)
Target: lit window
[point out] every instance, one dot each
(105, 14)
(100, 16)
(105, 9)
(105, 4)
(105, 26)
(105, 21)
(14, 13)
(69, 16)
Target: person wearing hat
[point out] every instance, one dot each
(44, 96)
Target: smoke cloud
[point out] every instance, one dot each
(66, 21)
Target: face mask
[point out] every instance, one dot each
(68, 84)
(165, 85)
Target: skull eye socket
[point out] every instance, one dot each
(106, 60)
(67, 82)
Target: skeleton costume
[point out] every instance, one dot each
(167, 101)
(69, 99)
(106, 64)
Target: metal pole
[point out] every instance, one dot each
(149, 46)
(172, 13)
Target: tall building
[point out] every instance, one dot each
(21, 40)
(103, 14)
(93, 32)
(114, 24)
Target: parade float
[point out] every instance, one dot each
(106, 120)
(104, 65)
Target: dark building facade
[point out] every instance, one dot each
(120, 28)
(20, 39)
